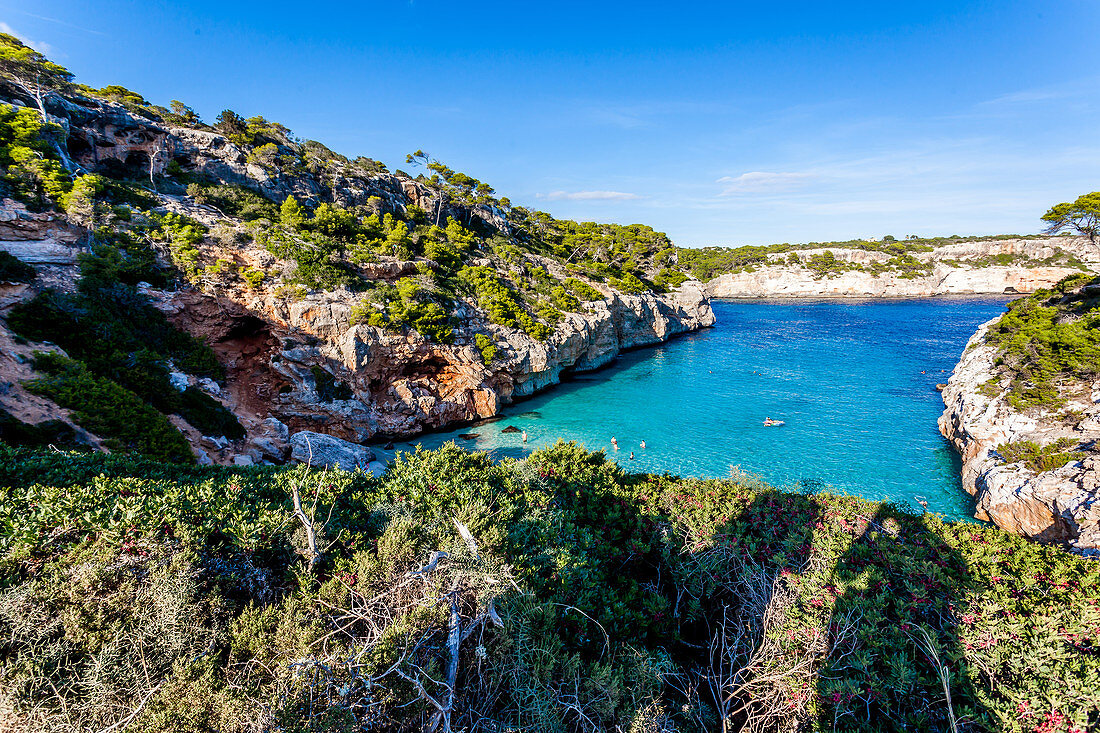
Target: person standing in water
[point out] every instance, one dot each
(632, 455)
(524, 436)
(614, 442)
(643, 445)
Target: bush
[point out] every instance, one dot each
(1051, 336)
(564, 301)
(235, 201)
(628, 283)
(827, 612)
(15, 270)
(253, 277)
(1040, 458)
(49, 432)
(487, 347)
(499, 301)
(669, 279)
(207, 414)
(583, 290)
(105, 409)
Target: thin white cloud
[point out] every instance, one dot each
(761, 181)
(53, 20)
(1028, 96)
(588, 196)
(43, 48)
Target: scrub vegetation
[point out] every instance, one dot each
(556, 593)
(1048, 340)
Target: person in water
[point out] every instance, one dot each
(632, 455)
(643, 445)
(614, 442)
(524, 436)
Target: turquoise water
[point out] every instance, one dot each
(853, 381)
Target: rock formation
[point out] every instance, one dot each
(1062, 505)
(283, 350)
(960, 268)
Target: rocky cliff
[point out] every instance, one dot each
(1060, 505)
(985, 266)
(298, 360)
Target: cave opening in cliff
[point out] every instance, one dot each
(429, 367)
(246, 327)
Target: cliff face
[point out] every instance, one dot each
(1062, 505)
(296, 363)
(961, 268)
(400, 384)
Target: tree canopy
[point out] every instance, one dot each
(29, 68)
(1081, 216)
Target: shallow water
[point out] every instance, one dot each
(853, 381)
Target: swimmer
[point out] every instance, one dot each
(524, 436)
(643, 445)
(632, 455)
(614, 442)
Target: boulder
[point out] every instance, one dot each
(178, 380)
(325, 451)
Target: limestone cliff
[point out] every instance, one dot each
(1061, 505)
(297, 361)
(970, 267)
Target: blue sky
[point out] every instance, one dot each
(718, 123)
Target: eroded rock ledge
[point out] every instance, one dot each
(276, 350)
(1060, 506)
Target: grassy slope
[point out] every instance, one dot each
(187, 591)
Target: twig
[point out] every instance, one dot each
(126, 721)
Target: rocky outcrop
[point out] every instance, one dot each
(1058, 506)
(324, 451)
(399, 384)
(38, 238)
(297, 366)
(960, 268)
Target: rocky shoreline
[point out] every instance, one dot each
(1061, 506)
(276, 351)
(964, 268)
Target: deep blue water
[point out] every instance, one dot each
(853, 381)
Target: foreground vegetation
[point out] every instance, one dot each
(553, 594)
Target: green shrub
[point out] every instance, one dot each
(233, 200)
(253, 277)
(318, 259)
(628, 283)
(49, 432)
(583, 290)
(329, 388)
(500, 302)
(1051, 336)
(669, 279)
(487, 347)
(622, 583)
(14, 270)
(1040, 458)
(563, 300)
(207, 414)
(112, 412)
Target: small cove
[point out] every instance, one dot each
(854, 382)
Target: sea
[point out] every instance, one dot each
(853, 382)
